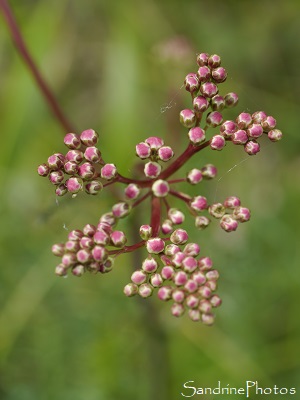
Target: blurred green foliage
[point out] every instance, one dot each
(118, 67)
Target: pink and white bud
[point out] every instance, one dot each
(199, 277)
(217, 103)
(232, 202)
(258, 117)
(94, 187)
(89, 137)
(130, 289)
(121, 210)
(138, 277)
(216, 210)
(72, 246)
(58, 249)
(108, 218)
(75, 234)
(242, 214)
(43, 170)
(203, 74)
(165, 153)
(160, 188)
(217, 142)
(156, 280)
(194, 315)
(180, 278)
(61, 190)
(196, 135)
(268, 123)
(71, 168)
(177, 310)
(252, 147)
(239, 137)
(72, 141)
(228, 128)
(145, 231)
(202, 222)
(219, 74)
(167, 227)
(200, 104)
(207, 319)
(171, 249)
(132, 191)
(164, 293)
(145, 290)
(205, 263)
(198, 203)
(192, 249)
(92, 154)
(231, 100)
(209, 89)
(99, 253)
(191, 286)
(192, 301)
(86, 171)
(75, 156)
(61, 270)
(179, 236)
(215, 300)
(154, 142)
(176, 216)
(86, 242)
(204, 291)
(202, 59)
(101, 237)
(191, 83)
(55, 161)
(84, 256)
(254, 131)
(189, 264)
(228, 223)
(78, 270)
(187, 118)
(178, 258)
(212, 275)
(167, 272)
(108, 172)
(205, 306)
(143, 150)
(152, 169)
(155, 245)
(178, 295)
(56, 177)
(74, 184)
(274, 135)
(118, 239)
(194, 176)
(89, 230)
(244, 120)
(214, 119)
(214, 61)
(209, 171)
(149, 265)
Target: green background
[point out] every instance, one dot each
(118, 67)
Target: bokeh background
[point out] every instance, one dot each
(118, 67)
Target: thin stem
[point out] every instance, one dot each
(180, 195)
(127, 249)
(139, 201)
(155, 215)
(23, 50)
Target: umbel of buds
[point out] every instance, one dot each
(173, 267)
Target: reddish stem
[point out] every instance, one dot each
(21, 47)
(180, 195)
(127, 249)
(155, 215)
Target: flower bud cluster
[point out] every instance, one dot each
(80, 168)
(177, 275)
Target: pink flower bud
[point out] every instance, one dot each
(149, 265)
(258, 117)
(214, 119)
(99, 253)
(84, 256)
(171, 249)
(74, 184)
(212, 275)
(274, 135)
(268, 123)
(143, 150)
(217, 103)
(92, 154)
(194, 315)
(228, 223)
(145, 232)
(75, 235)
(254, 131)
(232, 202)
(208, 319)
(217, 142)
(209, 89)
(177, 310)
(228, 128)
(179, 236)
(192, 301)
(202, 59)
(192, 249)
(156, 280)
(187, 118)
(118, 238)
(101, 237)
(199, 277)
(108, 218)
(89, 230)
(56, 177)
(132, 191)
(196, 135)
(167, 226)
(204, 292)
(191, 286)
(121, 210)
(176, 216)
(61, 270)
(165, 153)
(71, 168)
(244, 120)
(154, 142)
(130, 289)
(231, 100)
(219, 74)
(61, 190)
(72, 246)
(138, 277)
(72, 141)
(202, 222)
(152, 169)
(55, 161)
(164, 293)
(180, 278)
(205, 306)
(58, 249)
(178, 295)
(199, 203)
(86, 242)
(189, 264)
(191, 83)
(78, 270)
(167, 272)
(200, 104)
(215, 300)
(178, 258)
(209, 171)
(252, 147)
(108, 172)
(93, 187)
(216, 210)
(75, 156)
(205, 263)
(194, 176)
(203, 74)
(155, 245)
(214, 61)
(86, 171)
(160, 188)
(145, 290)
(242, 214)
(43, 170)
(89, 137)
(239, 137)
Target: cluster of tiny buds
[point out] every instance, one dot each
(245, 130)
(82, 167)
(172, 266)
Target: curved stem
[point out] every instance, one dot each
(155, 215)
(23, 50)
